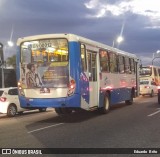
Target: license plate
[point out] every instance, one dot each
(44, 90)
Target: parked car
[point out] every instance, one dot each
(148, 87)
(9, 102)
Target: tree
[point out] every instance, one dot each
(11, 61)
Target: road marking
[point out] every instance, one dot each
(152, 114)
(45, 128)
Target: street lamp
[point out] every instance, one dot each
(10, 43)
(118, 40)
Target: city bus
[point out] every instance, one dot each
(69, 72)
(149, 80)
(150, 72)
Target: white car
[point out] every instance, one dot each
(148, 87)
(9, 102)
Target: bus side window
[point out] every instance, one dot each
(132, 66)
(92, 66)
(121, 64)
(89, 66)
(83, 58)
(127, 66)
(113, 62)
(104, 60)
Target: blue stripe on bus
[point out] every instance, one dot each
(116, 96)
(119, 95)
(82, 83)
(84, 87)
(74, 55)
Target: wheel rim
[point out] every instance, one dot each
(12, 110)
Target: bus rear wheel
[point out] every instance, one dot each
(158, 97)
(106, 105)
(63, 111)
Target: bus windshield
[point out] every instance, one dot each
(146, 71)
(44, 63)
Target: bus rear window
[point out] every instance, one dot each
(145, 71)
(46, 50)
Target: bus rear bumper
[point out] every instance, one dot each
(72, 101)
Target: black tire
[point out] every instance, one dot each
(12, 110)
(152, 94)
(130, 102)
(66, 110)
(63, 111)
(158, 97)
(58, 111)
(42, 109)
(106, 105)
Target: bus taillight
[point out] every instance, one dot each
(19, 85)
(72, 87)
(21, 92)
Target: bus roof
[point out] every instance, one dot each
(73, 37)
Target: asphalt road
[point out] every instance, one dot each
(125, 126)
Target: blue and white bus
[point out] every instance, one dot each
(67, 72)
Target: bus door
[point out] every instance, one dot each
(92, 74)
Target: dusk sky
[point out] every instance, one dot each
(99, 20)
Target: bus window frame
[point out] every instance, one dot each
(115, 70)
(84, 68)
(108, 63)
(127, 65)
(119, 70)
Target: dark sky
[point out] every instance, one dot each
(138, 21)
